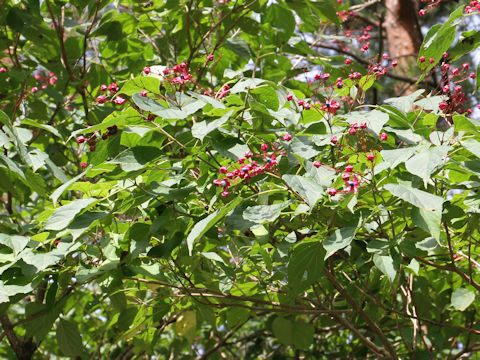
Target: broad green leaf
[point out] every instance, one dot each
(418, 198)
(68, 339)
(66, 213)
(150, 105)
(374, 119)
(340, 239)
(308, 189)
(59, 191)
(472, 146)
(303, 147)
(4, 119)
(385, 265)
(136, 85)
(240, 47)
(294, 333)
(137, 157)
(404, 103)
(427, 162)
(45, 127)
(186, 325)
(15, 242)
(264, 213)
(307, 256)
(462, 299)
(397, 156)
(237, 315)
(41, 260)
(246, 84)
(207, 99)
(202, 129)
(201, 227)
(428, 220)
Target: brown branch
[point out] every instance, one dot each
(389, 352)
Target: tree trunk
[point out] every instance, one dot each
(403, 38)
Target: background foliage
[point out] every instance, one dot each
(135, 222)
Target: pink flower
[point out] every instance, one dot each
(101, 99)
(454, 71)
(465, 66)
(287, 137)
(34, 89)
(113, 87)
(363, 125)
(289, 97)
(166, 71)
(383, 136)
(317, 164)
(421, 12)
(332, 191)
(348, 61)
(81, 139)
(346, 176)
(421, 59)
(223, 170)
(349, 168)
(473, 76)
(2, 69)
(264, 147)
(443, 105)
(210, 57)
(394, 63)
(146, 70)
(370, 157)
(144, 93)
(52, 80)
(119, 100)
(334, 140)
(300, 102)
(83, 165)
(352, 185)
(103, 88)
(431, 60)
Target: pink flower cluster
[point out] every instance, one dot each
(112, 90)
(246, 167)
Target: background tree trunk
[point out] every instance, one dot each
(403, 38)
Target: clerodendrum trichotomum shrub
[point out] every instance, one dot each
(239, 179)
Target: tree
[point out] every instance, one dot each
(220, 179)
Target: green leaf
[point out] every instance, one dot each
(418, 198)
(202, 129)
(137, 157)
(340, 239)
(462, 299)
(201, 227)
(428, 220)
(294, 333)
(427, 162)
(397, 156)
(385, 265)
(264, 213)
(136, 85)
(404, 103)
(41, 260)
(59, 191)
(308, 189)
(45, 127)
(15, 242)
(186, 325)
(207, 99)
(240, 47)
(303, 147)
(307, 256)
(150, 105)
(66, 213)
(472, 146)
(374, 119)
(68, 339)
(326, 9)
